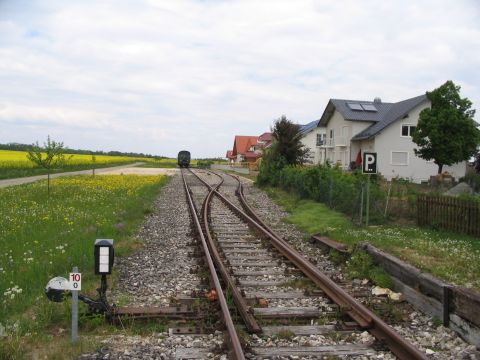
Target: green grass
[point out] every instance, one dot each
(452, 257)
(12, 173)
(165, 163)
(41, 238)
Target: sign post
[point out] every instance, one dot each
(369, 167)
(75, 280)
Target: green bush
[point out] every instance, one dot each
(204, 164)
(473, 179)
(332, 186)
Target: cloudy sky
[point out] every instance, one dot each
(158, 76)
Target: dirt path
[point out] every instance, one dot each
(110, 170)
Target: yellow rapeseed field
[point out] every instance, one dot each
(18, 159)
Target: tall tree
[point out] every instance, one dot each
(287, 142)
(48, 157)
(446, 132)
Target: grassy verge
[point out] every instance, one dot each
(165, 163)
(452, 257)
(41, 238)
(12, 173)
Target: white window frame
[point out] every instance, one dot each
(398, 164)
(322, 137)
(409, 130)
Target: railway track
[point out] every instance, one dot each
(272, 291)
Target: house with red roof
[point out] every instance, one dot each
(248, 148)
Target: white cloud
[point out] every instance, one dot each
(159, 76)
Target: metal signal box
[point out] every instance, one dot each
(104, 255)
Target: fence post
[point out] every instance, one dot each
(361, 205)
(367, 210)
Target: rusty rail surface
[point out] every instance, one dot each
(365, 318)
(237, 351)
(402, 348)
(242, 307)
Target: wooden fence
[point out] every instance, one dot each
(449, 213)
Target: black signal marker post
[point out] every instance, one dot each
(104, 255)
(369, 167)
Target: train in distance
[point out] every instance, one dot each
(183, 159)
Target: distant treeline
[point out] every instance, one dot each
(26, 147)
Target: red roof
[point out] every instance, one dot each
(242, 144)
(266, 137)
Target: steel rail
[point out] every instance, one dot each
(365, 318)
(237, 351)
(242, 307)
(402, 348)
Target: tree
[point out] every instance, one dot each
(287, 142)
(446, 132)
(286, 149)
(48, 157)
(94, 160)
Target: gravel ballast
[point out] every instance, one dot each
(160, 270)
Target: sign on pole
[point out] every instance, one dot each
(369, 163)
(369, 167)
(75, 280)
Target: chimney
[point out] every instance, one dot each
(377, 100)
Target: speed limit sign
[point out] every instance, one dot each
(75, 280)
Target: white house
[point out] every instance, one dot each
(354, 127)
(313, 137)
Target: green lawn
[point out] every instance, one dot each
(12, 173)
(41, 238)
(452, 257)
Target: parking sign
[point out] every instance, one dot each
(369, 163)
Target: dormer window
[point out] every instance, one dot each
(407, 130)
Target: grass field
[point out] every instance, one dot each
(41, 238)
(15, 164)
(454, 258)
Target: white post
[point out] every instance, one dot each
(74, 311)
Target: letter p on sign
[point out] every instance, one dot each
(369, 163)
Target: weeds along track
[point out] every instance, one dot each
(283, 305)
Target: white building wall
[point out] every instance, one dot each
(391, 140)
(343, 152)
(310, 142)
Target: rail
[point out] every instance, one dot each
(242, 307)
(403, 349)
(365, 318)
(237, 351)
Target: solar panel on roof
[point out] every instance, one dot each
(355, 106)
(369, 107)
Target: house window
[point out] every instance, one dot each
(407, 130)
(321, 139)
(331, 133)
(399, 158)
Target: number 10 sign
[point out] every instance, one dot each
(75, 280)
